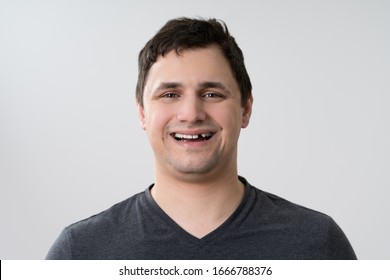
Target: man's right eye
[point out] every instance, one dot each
(170, 95)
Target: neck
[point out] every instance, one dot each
(199, 204)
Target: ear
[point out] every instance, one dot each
(141, 115)
(246, 112)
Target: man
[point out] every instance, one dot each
(193, 97)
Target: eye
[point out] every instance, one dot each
(212, 95)
(170, 95)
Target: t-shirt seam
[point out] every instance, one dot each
(68, 243)
(200, 243)
(175, 227)
(328, 252)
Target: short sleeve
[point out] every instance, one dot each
(60, 250)
(339, 247)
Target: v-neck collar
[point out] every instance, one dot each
(211, 235)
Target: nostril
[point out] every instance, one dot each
(191, 113)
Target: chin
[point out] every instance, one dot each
(196, 168)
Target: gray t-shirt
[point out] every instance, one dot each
(264, 226)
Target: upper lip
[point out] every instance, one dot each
(194, 132)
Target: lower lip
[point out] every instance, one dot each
(193, 144)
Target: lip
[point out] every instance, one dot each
(194, 144)
(194, 132)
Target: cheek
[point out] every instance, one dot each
(157, 120)
(230, 121)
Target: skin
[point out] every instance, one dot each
(194, 93)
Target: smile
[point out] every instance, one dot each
(192, 137)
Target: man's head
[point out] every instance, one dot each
(190, 101)
(185, 33)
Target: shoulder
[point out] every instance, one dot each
(116, 214)
(286, 208)
(271, 206)
(294, 218)
(88, 238)
(299, 224)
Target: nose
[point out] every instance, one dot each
(191, 109)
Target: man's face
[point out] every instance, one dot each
(192, 112)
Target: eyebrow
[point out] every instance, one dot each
(214, 85)
(202, 85)
(168, 85)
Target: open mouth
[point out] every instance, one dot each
(192, 137)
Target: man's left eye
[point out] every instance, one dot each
(211, 95)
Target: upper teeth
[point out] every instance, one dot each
(189, 136)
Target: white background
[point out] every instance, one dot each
(70, 140)
(272, 270)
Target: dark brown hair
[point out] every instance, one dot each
(186, 33)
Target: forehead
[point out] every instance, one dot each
(191, 66)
